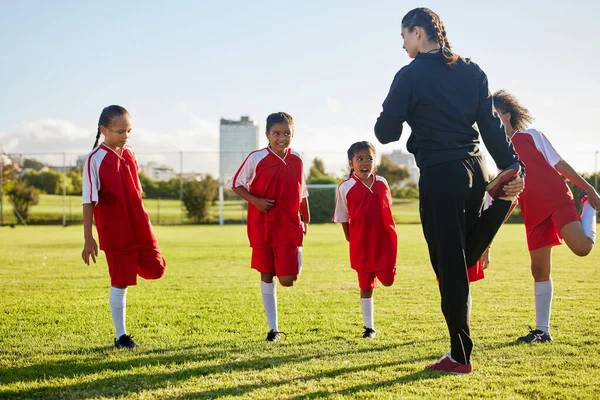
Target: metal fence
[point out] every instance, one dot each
(182, 166)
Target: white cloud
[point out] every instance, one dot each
(548, 102)
(332, 104)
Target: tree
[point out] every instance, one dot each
(317, 173)
(33, 164)
(198, 196)
(22, 197)
(392, 172)
(47, 182)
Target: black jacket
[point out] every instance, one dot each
(441, 104)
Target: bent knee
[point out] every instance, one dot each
(583, 251)
(387, 283)
(287, 281)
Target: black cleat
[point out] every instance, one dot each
(125, 342)
(535, 336)
(274, 336)
(369, 333)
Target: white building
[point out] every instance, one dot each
(158, 172)
(405, 160)
(236, 140)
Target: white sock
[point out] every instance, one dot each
(117, 308)
(269, 296)
(588, 220)
(543, 305)
(367, 312)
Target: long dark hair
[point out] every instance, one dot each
(364, 145)
(108, 115)
(433, 26)
(507, 103)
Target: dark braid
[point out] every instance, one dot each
(434, 28)
(108, 114)
(359, 146)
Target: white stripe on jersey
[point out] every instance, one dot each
(247, 171)
(91, 179)
(544, 146)
(341, 202)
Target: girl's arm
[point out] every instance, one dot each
(90, 247)
(346, 228)
(305, 213)
(263, 205)
(568, 172)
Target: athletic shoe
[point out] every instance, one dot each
(535, 336)
(582, 197)
(125, 342)
(369, 333)
(447, 364)
(496, 186)
(273, 336)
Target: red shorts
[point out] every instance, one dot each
(125, 267)
(366, 280)
(475, 272)
(279, 261)
(547, 232)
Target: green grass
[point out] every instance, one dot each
(167, 212)
(201, 327)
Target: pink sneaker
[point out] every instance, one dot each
(496, 187)
(447, 364)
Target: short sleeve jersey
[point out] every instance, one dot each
(545, 189)
(111, 181)
(368, 212)
(266, 175)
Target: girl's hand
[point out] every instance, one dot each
(514, 187)
(90, 248)
(264, 205)
(485, 259)
(593, 198)
(305, 228)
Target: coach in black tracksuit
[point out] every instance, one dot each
(441, 96)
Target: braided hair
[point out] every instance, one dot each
(434, 28)
(108, 115)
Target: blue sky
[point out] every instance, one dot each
(179, 66)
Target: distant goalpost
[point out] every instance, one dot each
(309, 186)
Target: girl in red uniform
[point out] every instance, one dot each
(547, 205)
(363, 207)
(112, 196)
(272, 182)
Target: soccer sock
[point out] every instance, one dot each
(543, 305)
(269, 296)
(117, 308)
(367, 312)
(588, 220)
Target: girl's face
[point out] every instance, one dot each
(117, 133)
(504, 117)
(411, 41)
(363, 164)
(280, 136)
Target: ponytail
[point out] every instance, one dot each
(108, 114)
(97, 138)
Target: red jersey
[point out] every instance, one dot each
(373, 239)
(266, 175)
(111, 181)
(545, 189)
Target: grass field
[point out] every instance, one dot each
(202, 327)
(167, 212)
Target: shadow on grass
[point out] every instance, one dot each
(47, 374)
